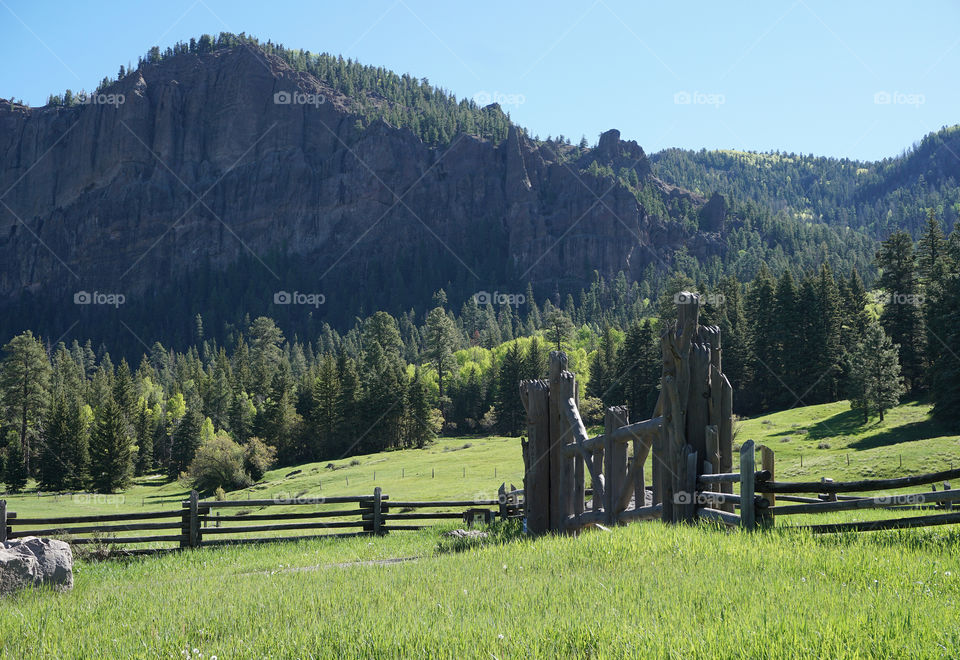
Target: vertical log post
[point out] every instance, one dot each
(748, 512)
(726, 435)
(766, 463)
(614, 461)
(377, 511)
(535, 395)
(562, 489)
(3, 521)
(194, 519)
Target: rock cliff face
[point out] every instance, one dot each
(200, 165)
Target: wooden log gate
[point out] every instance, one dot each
(689, 436)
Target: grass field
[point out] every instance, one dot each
(637, 591)
(459, 468)
(645, 590)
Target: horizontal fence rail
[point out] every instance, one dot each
(199, 523)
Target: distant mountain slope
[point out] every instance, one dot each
(233, 170)
(876, 197)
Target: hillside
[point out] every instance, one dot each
(473, 468)
(874, 197)
(205, 191)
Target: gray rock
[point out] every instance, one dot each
(32, 562)
(466, 534)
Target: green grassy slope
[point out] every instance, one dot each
(646, 590)
(834, 442)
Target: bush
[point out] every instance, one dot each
(258, 457)
(218, 463)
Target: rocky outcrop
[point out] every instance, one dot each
(32, 562)
(200, 166)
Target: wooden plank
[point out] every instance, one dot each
(123, 539)
(729, 477)
(441, 504)
(878, 502)
(561, 466)
(537, 478)
(3, 521)
(400, 528)
(747, 511)
(245, 529)
(714, 498)
(289, 516)
(880, 525)
(643, 513)
(866, 484)
(67, 520)
(615, 462)
(278, 539)
(194, 519)
(690, 488)
(726, 432)
(377, 512)
(716, 515)
(94, 529)
(698, 415)
(644, 430)
(293, 501)
(423, 516)
(766, 463)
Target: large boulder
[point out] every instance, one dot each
(32, 562)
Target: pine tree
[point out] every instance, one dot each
(185, 442)
(53, 470)
(441, 343)
(509, 407)
(143, 434)
(326, 412)
(766, 347)
(875, 381)
(604, 382)
(901, 317)
(111, 464)
(559, 327)
(639, 366)
(536, 362)
(24, 383)
(945, 376)
(14, 466)
(422, 421)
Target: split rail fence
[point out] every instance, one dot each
(200, 523)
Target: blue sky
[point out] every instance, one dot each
(852, 79)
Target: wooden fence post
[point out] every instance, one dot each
(377, 511)
(194, 519)
(614, 462)
(748, 512)
(766, 463)
(3, 521)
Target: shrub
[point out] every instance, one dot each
(258, 457)
(218, 463)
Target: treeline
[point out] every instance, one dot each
(876, 197)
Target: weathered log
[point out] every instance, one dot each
(747, 512)
(766, 462)
(537, 478)
(879, 525)
(642, 513)
(862, 485)
(877, 502)
(716, 515)
(615, 462)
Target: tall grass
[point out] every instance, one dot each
(646, 590)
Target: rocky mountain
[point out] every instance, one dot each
(211, 178)
(204, 162)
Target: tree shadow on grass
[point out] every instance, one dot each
(912, 432)
(848, 422)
